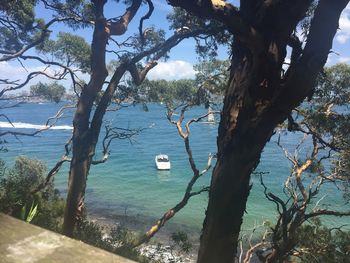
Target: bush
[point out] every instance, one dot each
(16, 185)
(180, 240)
(318, 243)
(108, 239)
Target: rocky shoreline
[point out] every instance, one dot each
(166, 254)
(161, 248)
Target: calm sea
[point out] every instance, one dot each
(128, 184)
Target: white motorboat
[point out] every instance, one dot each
(162, 162)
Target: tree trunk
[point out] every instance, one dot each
(85, 136)
(240, 143)
(79, 169)
(258, 98)
(84, 145)
(86, 129)
(83, 151)
(83, 148)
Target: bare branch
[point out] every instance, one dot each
(223, 12)
(111, 134)
(45, 127)
(29, 77)
(55, 169)
(43, 35)
(320, 212)
(138, 77)
(147, 16)
(187, 195)
(52, 172)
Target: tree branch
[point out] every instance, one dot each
(28, 78)
(321, 212)
(301, 76)
(187, 195)
(224, 12)
(147, 16)
(44, 33)
(120, 27)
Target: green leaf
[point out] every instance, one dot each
(32, 212)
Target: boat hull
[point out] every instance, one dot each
(162, 162)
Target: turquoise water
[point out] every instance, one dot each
(128, 182)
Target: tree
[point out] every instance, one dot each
(149, 46)
(212, 75)
(158, 90)
(137, 55)
(321, 244)
(86, 133)
(260, 94)
(70, 48)
(53, 92)
(16, 184)
(169, 91)
(317, 166)
(21, 34)
(210, 79)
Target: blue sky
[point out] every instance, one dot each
(182, 57)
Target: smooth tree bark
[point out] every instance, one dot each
(259, 96)
(83, 141)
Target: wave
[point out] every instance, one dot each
(23, 125)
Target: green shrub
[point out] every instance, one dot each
(181, 241)
(16, 185)
(108, 239)
(318, 243)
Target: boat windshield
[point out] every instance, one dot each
(162, 159)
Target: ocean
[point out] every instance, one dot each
(128, 187)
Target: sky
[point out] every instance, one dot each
(182, 57)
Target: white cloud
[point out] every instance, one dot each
(15, 72)
(343, 34)
(344, 59)
(171, 70)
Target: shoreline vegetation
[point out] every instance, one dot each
(161, 248)
(18, 181)
(174, 244)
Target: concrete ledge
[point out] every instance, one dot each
(23, 242)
